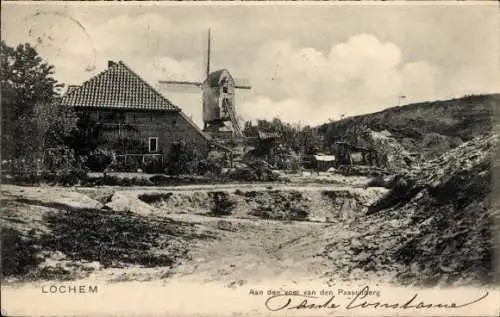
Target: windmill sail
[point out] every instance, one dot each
(207, 71)
(181, 86)
(241, 83)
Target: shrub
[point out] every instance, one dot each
(153, 166)
(213, 164)
(128, 165)
(183, 159)
(243, 174)
(65, 178)
(222, 205)
(59, 166)
(99, 159)
(294, 165)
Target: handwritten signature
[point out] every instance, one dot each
(296, 301)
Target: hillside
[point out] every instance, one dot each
(428, 128)
(437, 226)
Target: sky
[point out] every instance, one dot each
(307, 63)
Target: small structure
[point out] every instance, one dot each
(265, 146)
(323, 162)
(348, 154)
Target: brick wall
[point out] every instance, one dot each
(128, 132)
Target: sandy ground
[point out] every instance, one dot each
(245, 248)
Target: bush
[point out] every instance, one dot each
(59, 166)
(129, 165)
(222, 205)
(117, 181)
(99, 159)
(183, 159)
(212, 167)
(65, 178)
(243, 174)
(153, 166)
(294, 165)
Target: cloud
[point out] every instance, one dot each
(290, 110)
(419, 80)
(140, 34)
(472, 80)
(362, 74)
(165, 67)
(311, 76)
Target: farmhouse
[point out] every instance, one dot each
(125, 114)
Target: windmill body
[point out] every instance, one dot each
(218, 98)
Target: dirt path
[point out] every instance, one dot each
(256, 250)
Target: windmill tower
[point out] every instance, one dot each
(218, 94)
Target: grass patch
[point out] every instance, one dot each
(111, 238)
(19, 253)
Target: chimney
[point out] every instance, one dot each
(111, 63)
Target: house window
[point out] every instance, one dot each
(224, 89)
(153, 144)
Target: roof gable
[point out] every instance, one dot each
(214, 78)
(117, 87)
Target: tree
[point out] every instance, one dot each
(309, 141)
(31, 119)
(26, 79)
(45, 132)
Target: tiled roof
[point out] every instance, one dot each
(71, 88)
(117, 87)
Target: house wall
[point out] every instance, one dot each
(128, 132)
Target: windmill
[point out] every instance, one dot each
(218, 93)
